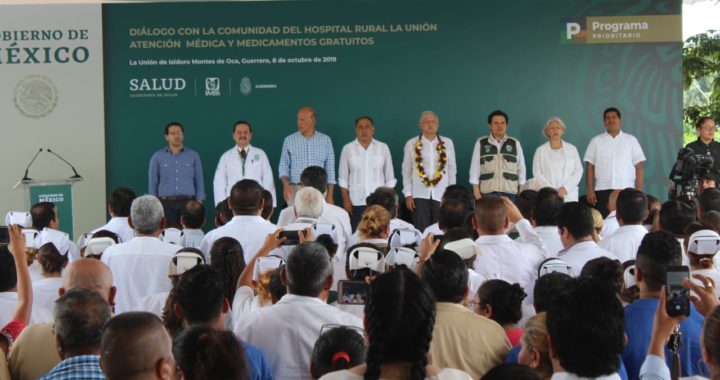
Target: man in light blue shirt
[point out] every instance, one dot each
(175, 174)
(306, 147)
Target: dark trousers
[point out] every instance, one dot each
(511, 197)
(173, 210)
(603, 196)
(427, 212)
(356, 216)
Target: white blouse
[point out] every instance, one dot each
(559, 167)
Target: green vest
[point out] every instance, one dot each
(498, 169)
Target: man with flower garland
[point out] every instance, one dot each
(498, 163)
(428, 168)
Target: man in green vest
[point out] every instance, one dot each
(498, 163)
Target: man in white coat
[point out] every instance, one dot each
(242, 161)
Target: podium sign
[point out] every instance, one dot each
(61, 196)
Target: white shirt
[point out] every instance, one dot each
(610, 224)
(286, 332)
(503, 258)
(572, 376)
(139, 268)
(120, 226)
(363, 170)
(45, 292)
(475, 160)
(192, 237)
(244, 302)
(559, 167)
(249, 230)
(35, 271)
(624, 242)
(614, 159)
(8, 305)
(578, 254)
(356, 310)
(331, 214)
(444, 374)
(412, 185)
(474, 282)
(432, 229)
(395, 224)
(230, 170)
(152, 304)
(549, 237)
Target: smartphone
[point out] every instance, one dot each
(438, 237)
(291, 237)
(678, 297)
(4, 235)
(352, 292)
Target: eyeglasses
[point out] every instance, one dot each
(327, 327)
(709, 128)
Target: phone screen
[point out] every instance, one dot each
(678, 300)
(4, 235)
(352, 292)
(291, 237)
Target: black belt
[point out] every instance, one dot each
(177, 198)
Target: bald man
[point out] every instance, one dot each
(136, 346)
(33, 353)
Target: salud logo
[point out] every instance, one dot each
(245, 86)
(35, 96)
(212, 86)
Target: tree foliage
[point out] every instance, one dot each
(701, 76)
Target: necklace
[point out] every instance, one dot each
(442, 161)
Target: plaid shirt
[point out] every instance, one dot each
(299, 152)
(77, 368)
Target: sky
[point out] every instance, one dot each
(699, 16)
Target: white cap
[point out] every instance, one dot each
(183, 261)
(96, 246)
(22, 218)
(534, 184)
(59, 239)
(555, 265)
(325, 229)
(266, 263)
(366, 258)
(404, 237)
(31, 238)
(403, 256)
(629, 275)
(173, 236)
(465, 248)
(704, 242)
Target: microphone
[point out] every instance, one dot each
(25, 178)
(76, 176)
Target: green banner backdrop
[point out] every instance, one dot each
(207, 65)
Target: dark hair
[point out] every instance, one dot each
(316, 177)
(631, 206)
(657, 250)
(327, 354)
(42, 214)
(452, 214)
(372, 122)
(239, 122)
(400, 313)
(79, 318)
(124, 351)
(586, 326)
(222, 211)
(307, 269)
(497, 113)
(173, 123)
(709, 200)
(700, 121)
(612, 109)
(106, 233)
(675, 216)
(276, 286)
(267, 205)
(360, 274)
(326, 241)
(711, 220)
(547, 207)
(120, 200)
(193, 214)
(711, 335)
(202, 352)
(200, 294)
(505, 299)
(172, 322)
(606, 270)
(490, 214)
(577, 218)
(245, 197)
(446, 275)
(226, 255)
(460, 193)
(547, 287)
(511, 371)
(525, 202)
(8, 273)
(385, 197)
(51, 260)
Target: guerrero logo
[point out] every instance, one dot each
(35, 96)
(245, 86)
(212, 86)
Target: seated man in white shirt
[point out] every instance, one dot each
(610, 223)
(192, 219)
(575, 224)
(452, 192)
(118, 204)
(139, 266)
(709, 201)
(246, 226)
(544, 219)
(631, 211)
(585, 326)
(45, 215)
(286, 332)
(501, 257)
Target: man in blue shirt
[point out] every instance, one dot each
(175, 174)
(657, 251)
(306, 147)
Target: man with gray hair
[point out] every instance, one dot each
(140, 265)
(428, 168)
(286, 331)
(80, 316)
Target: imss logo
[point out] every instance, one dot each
(212, 86)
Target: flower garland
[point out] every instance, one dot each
(442, 162)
